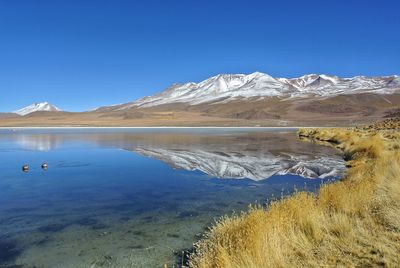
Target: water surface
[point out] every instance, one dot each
(139, 197)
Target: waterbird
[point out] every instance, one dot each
(25, 168)
(44, 166)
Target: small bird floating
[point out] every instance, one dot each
(25, 168)
(44, 166)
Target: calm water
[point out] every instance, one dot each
(139, 197)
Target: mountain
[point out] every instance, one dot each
(8, 115)
(255, 99)
(226, 88)
(36, 107)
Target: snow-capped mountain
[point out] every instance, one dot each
(229, 87)
(239, 166)
(35, 107)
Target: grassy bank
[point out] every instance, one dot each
(353, 222)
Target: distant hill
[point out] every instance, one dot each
(7, 115)
(35, 107)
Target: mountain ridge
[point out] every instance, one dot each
(224, 88)
(255, 99)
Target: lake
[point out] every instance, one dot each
(140, 197)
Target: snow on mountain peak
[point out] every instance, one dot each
(230, 87)
(35, 107)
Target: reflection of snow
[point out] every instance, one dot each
(255, 156)
(242, 165)
(37, 142)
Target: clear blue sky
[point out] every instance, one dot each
(82, 54)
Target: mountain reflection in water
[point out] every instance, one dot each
(136, 197)
(226, 154)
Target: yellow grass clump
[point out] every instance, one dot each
(352, 222)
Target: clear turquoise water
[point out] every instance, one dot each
(100, 203)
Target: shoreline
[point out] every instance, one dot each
(161, 127)
(351, 222)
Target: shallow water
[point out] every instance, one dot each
(139, 197)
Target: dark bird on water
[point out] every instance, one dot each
(44, 166)
(25, 168)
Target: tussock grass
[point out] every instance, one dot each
(353, 222)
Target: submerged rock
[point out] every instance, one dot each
(87, 221)
(136, 247)
(148, 219)
(173, 235)
(53, 227)
(99, 226)
(138, 233)
(187, 214)
(43, 241)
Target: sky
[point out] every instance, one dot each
(81, 54)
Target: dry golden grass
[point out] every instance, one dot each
(353, 222)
